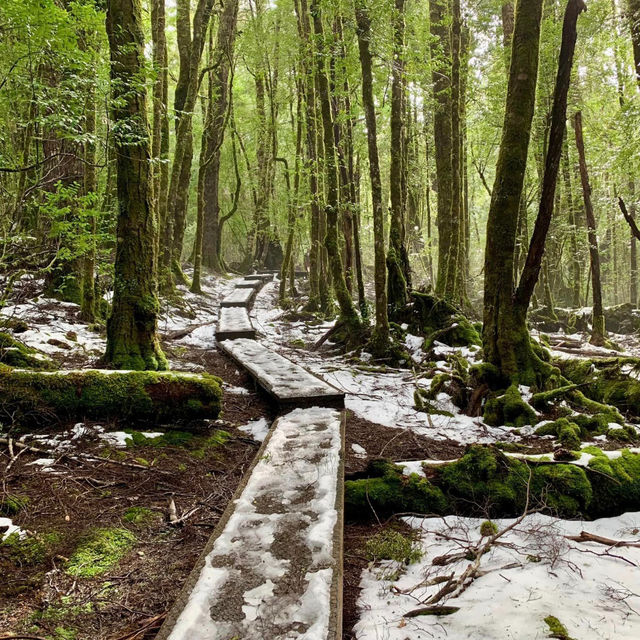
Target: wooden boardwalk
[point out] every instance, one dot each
(272, 570)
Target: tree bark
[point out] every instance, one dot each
(132, 342)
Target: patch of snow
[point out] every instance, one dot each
(594, 596)
(11, 529)
(257, 429)
(358, 450)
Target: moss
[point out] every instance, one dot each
(132, 395)
(607, 381)
(62, 633)
(28, 550)
(14, 353)
(483, 481)
(488, 528)
(212, 442)
(544, 400)
(556, 628)
(169, 439)
(616, 486)
(140, 516)
(386, 490)
(570, 433)
(99, 551)
(509, 409)
(11, 504)
(392, 545)
(489, 374)
(421, 402)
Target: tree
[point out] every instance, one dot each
(380, 338)
(132, 342)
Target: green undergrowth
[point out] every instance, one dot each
(100, 550)
(38, 397)
(140, 516)
(14, 353)
(391, 544)
(486, 482)
(572, 431)
(11, 504)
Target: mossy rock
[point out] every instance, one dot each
(99, 551)
(616, 485)
(14, 353)
(509, 409)
(39, 397)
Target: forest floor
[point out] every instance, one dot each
(73, 505)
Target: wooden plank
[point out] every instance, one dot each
(273, 567)
(239, 298)
(287, 382)
(234, 323)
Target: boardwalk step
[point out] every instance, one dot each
(273, 567)
(239, 298)
(233, 323)
(286, 381)
(249, 284)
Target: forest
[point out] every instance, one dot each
(319, 319)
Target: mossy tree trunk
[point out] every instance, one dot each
(132, 342)
(505, 336)
(348, 314)
(398, 268)
(380, 337)
(598, 333)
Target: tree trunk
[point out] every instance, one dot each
(505, 337)
(398, 269)
(213, 137)
(132, 342)
(348, 313)
(634, 23)
(598, 333)
(380, 337)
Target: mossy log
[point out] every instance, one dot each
(34, 397)
(14, 353)
(486, 482)
(608, 381)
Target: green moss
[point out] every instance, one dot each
(488, 528)
(483, 481)
(509, 409)
(421, 401)
(99, 551)
(392, 545)
(140, 516)
(616, 486)
(168, 439)
(386, 490)
(62, 633)
(489, 374)
(28, 550)
(556, 628)
(214, 441)
(11, 504)
(133, 395)
(14, 353)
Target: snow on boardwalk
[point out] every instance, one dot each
(286, 381)
(239, 298)
(234, 322)
(273, 567)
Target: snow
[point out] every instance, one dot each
(11, 529)
(257, 429)
(283, 520)
(239, 297)
(593, 594)
(358, 450)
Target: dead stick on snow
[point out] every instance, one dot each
(585, 536)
